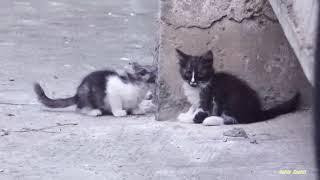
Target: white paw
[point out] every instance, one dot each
(94, 112)
(185, 117)
(213, 121)
(119, 113)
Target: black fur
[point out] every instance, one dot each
(233, 97)
(92, 90)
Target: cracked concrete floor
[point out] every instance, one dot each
(42, 144)
(58, 42)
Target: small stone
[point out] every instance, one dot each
(5, 132)
(225, 139)
(253, 141)
(55, 77)
(10, 115)
(236, 132)
(11, 80)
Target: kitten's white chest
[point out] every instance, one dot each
(192, 94)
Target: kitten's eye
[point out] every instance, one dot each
(202, 76)
(188, 73)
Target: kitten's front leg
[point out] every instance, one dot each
(188, 116)
(206, 106)
(116, 105)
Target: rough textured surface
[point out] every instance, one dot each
(246, 40)
(299, 22)
(37, 143)
(139, 148)
(59, 42)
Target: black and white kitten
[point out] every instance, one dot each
(220, 98)
(108, 92)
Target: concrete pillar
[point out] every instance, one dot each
(246, 40)
(299, 22)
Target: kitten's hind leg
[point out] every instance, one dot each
(116, 105)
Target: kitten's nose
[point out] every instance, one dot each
(193, 84)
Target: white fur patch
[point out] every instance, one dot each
(193, 79)
(123, 96)
(90, 112)
(189, 116)
(213, 121)
(185, 118)
(192, 94)
(119, 113)
(94, 112)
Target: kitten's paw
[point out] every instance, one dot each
(94, 112)
(185, 117)
(213, 121)
(199, 117)
(119, 113)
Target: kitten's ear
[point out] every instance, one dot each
(139, 69)
(208, 57)
(135, 66)
(182, 57)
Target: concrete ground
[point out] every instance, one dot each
(58, 42)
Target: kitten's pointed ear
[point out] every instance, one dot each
(182, 57)
(136, 67)
(208, 57)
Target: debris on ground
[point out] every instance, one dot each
(253, 141)
(10, 115)
(225, 139)
(4, 132)
(236, 132)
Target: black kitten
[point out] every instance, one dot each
(222, 98)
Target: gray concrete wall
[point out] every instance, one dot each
(299, 22)
(246, 40)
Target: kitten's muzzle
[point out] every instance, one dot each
(193, 84)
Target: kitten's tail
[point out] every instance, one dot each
(286, 107)
(53, 103)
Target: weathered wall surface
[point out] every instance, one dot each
(299, 22)
(246, 40)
